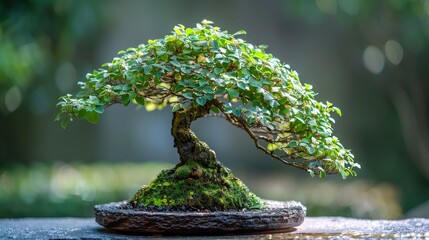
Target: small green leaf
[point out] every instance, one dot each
(201, 101)
(218, 70)
(175, 63)
(322, 173)
(293, 144)
(92, 117)
(310, 150)
(343, 174)
(271, 147)
(274, 103)
(268, 97)
(64, 123)
(311, 172)
(215, 44)
(337, 110)
(146, 69)
(236, 112)
(190, 31)
(99, 109)
(300, 119)
(250, 120)
(176, 107)
(125, 99)
(241, 32)
(255, 83)
(140, 100)
(208, 89)
(214, 109)
(81, 114)
(176, 29)
(232, 93)
(206, 22)
(188, 95)
(177, 76)
(242, 85)
(194, 38)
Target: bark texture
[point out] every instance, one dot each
(189, 147)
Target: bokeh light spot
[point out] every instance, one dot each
(327, 6)
(63, 182)
(12, 99)
(350, 7)
(426, 7)
(394, 52)
(373, 59)
(6, 186)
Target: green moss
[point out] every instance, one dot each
(185, 171)
(192, 185)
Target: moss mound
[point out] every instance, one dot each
(197, 187)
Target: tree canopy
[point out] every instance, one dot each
(241, 82)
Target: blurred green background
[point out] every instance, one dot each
(370, 58)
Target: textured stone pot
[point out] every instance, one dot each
(278, 217)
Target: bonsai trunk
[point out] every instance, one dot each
(199, 181)
(189, 147)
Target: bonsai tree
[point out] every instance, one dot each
(201, 72)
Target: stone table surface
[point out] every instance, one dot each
(313, 227)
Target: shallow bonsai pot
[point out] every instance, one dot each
(277, 217)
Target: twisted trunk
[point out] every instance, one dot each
(189, 147)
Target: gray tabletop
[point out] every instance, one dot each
(313, 227)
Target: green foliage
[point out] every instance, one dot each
(194, 186)
(251, 88)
